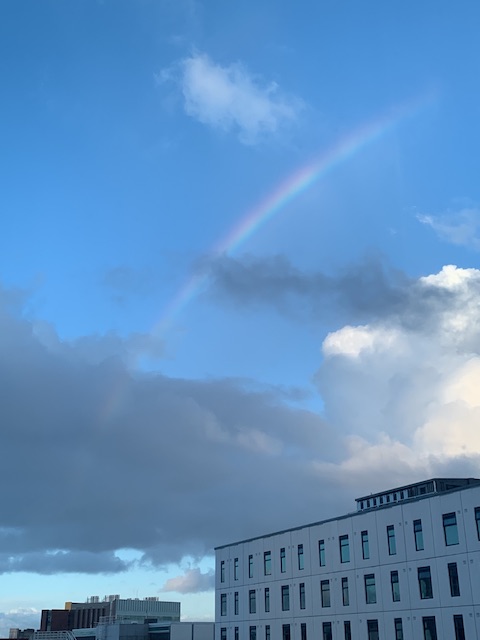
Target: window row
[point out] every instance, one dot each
(429, 627)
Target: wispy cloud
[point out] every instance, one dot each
(230, 98)
(192, 581)
(459, 227)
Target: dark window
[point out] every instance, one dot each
(235, 569)
(223, 604)
(236, 634)
(223, 633)
(301, 588)
(235, 604)
(425, 583)
(395, 586)
(327, 631)
(459, 628)
(303, 631)
(398, 629)
(282, 560)
(450, 529)
(321, 552)
(344, 549)
(267, 563)
(253, 633)
(429, 628)
(285, 597)
(222, 572)
(301, 564)
(267, 600)
(267, 632)
(252, 601)
(325, 592)
(372, 629)
(392, 545)
(285, 632)
(418, 533)
(347, 630)
(250, 566)
(370, 591)
(345, 595)
(453, 578)
(477, 521)
(365, 547)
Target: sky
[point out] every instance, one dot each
(239, 279)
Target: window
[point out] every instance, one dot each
(395, 586)
(223, 633)
(253, 633)
(223, 604)
(429, 628)
(459, 628)
(453, 578)
(325, 593)
(327, 631)
(235, 569)
(301, 564)
(370, 591)
(372, 629)
(450, 529)
(250, 566)
(285, 597)
(285, 632)
(418, 533)
(235, 635)
(392, 546)
(425, 583)
(345, 595)
(301, 588)
(321, 552)
(303, 631)
(222, 571)
(282, 560)
(398, 629)
(252, 602)
(347, 630)
(477, 521)
(235, 603)
(365, 547)
(267, 632)
(267, 563)
(267, 600)
(344, 549)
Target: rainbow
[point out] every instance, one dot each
(286, 191)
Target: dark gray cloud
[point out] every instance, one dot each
(48, 563)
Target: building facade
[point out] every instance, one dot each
(405, 566)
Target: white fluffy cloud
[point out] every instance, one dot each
(192, 581)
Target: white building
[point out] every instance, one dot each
(404, 566)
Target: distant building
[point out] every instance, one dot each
(20, 634)
(107, 630)
(405, 565)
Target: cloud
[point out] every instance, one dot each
(192, 581)
(230, 98)
(459, 227)
(18, 619)
(48, 563)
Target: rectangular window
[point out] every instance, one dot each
(267, 563)
(303, 631)
(370, 591)
(267, 632)
(327, 631)
(321, 552)
(398, 629)
(301, 562)
(344, 549)
(223, 633)
(250, 566)
(365, 547)
(453, 579)
(252, 601)
(223, 604)
(395, 586)
(418, 533)
(425, 583)
(236, 633)
(222, 571)
(347, 630)
(301, 589)
(285, 597)
(429, 628)
(235, 603)
(459, 628)
(345, 594)
(392, 545)
(285, 632)
(235, 569)
(372, 629)
(267, 600)
(450, 529)
(325, 593)
(253, 633)
(283, 566)
(477, 521)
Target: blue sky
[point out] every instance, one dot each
(333, 350)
